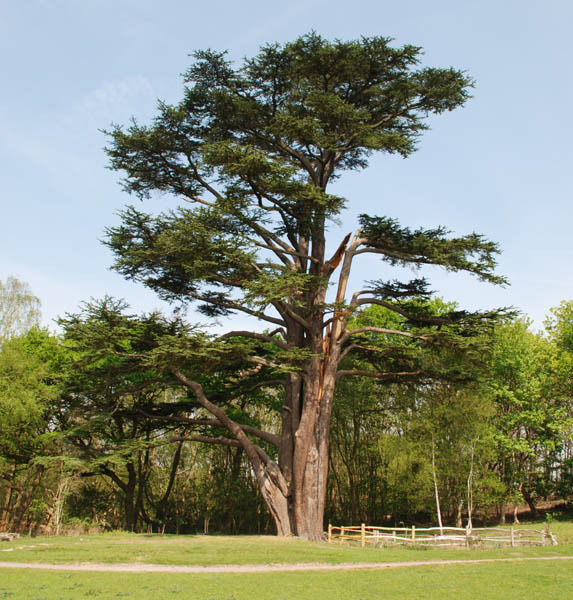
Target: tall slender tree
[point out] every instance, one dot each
(251, 150)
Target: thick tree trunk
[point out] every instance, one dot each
(295, 489)
(303, 514)
(306, 429)
(310, 464)
(311, 493)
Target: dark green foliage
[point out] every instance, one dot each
(256, 146)
(123, 408)
(403, 246)
(385, 290)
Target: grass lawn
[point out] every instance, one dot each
(519, 581)
(523, 581)
(225, 550)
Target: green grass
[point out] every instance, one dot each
(217, 550)
(519, 581)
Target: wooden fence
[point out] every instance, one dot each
(436, 536)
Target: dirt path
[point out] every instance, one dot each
(150, 568)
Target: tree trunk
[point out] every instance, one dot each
(310, 461)
(295, 489)
(529, 499)
(502, 514)
(459, 512)
(436, 491)
(130, 501)
(471, 489)
(25, 500)
(161, 506)
(311, 492)
(5, 517)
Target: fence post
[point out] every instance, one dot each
(413, 533)
(330, 533)
(363, 535)
(512, 537)
(467, 538)
(342, 535)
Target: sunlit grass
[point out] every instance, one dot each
(510, 581)
(225, 550)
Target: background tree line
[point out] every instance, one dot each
(89, 439)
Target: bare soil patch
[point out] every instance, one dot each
(150, 568)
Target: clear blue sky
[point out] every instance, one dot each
(501, 166)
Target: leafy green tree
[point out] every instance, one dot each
(30, 366)
(252, 150)
(531, 412)
(454, 424)
(559, 327)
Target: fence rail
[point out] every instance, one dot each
(436, 536)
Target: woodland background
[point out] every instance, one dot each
(78, 453)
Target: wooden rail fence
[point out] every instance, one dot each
(436, 536)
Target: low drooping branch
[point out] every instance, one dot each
(114, 477)
(256, 336)
(257, 360)
(196, 438)
(266, 470)
(271, 438)
(394, 377)
(374, 349)
(230, 305)
(431, 320)
(233, 427)
(382, 330)
(284, 309)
